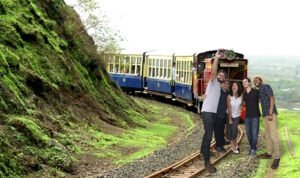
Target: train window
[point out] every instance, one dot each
(139, 60)
(150, 72)
(133, 65)
(127, 59)
(121, 67)
(138, 68)
(133, 60)
(111, 67)
(132, 69)
(165, 73)
(127, 64)
(117, 68)
(165, 63)
(161, 75)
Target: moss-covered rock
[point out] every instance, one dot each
(52, 84)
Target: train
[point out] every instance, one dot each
(179, 77)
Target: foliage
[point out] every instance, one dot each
(106, 38)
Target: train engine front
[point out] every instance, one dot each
(234, 64)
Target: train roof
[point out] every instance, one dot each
(200, 53)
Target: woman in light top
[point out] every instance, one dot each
(234, 106)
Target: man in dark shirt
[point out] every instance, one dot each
(221, 117)
(270, 113)
(251, 100)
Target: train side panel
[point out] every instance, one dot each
(158, 69)
(184, 77)
(127, 81)
(184, 91)
(125, 70)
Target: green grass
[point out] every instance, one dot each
(289, 165)
(142, 141)
(188, 121)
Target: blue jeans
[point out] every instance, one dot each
(208, 120)
(252, 129)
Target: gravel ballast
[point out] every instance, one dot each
(234, 165)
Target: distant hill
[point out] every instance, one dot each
(282, 73)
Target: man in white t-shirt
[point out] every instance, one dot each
(209, 108)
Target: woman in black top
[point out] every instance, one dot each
(251, 99)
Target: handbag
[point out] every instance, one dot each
(243, 113)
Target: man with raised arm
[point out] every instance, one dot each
(209, 108)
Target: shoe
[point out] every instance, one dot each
(226, 142)
(252, 153)
(236, 151)
(238, 148)
(210, 168)
(220, 150)
(264, 156)
(275, 164)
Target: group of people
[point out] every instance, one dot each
(223, 105)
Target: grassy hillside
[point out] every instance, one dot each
(289, 161)
(53, 88)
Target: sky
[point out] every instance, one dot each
(251, 27)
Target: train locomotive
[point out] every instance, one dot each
(182, 78)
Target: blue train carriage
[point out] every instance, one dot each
(125, 70)
(184, 79)
(158, 74)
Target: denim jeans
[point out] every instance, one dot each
(209, 120)
(219, 131)
(252, 129)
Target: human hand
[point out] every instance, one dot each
(220, 53)
(230, 121)
(270, 117)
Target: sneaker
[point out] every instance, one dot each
(275, 164)
(210, 168)
(264, 156)
(236, 151)
(252, 153)
(220, 150)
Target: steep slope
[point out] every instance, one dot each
(53, 88)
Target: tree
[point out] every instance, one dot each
(96, 23)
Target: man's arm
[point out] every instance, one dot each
(272, 102)
(214, 73)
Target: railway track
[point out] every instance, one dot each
(291, 148)
(193, 165)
